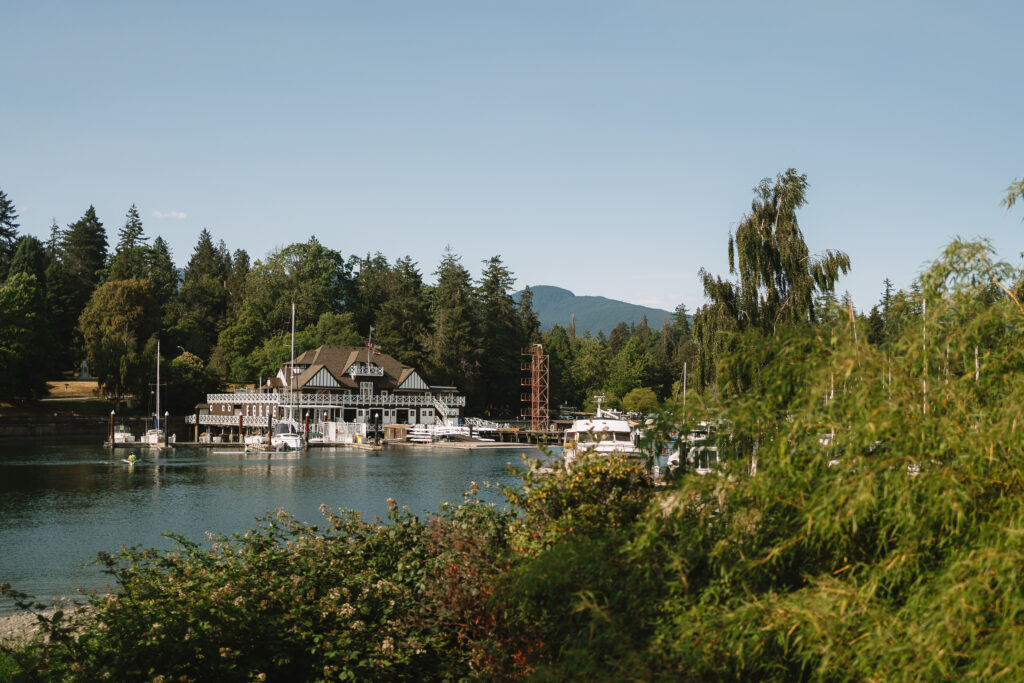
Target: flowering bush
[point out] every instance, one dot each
(286, 601)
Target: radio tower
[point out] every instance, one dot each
(535, 378)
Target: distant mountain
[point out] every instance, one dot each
(555, 305)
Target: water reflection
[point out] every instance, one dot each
(61, 503)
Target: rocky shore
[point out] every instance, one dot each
(18, 627)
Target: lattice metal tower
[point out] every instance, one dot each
(535, 378)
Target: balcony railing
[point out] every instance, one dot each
(299, 400)
(228, 420)
(365, 370)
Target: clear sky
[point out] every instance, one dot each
(604, 147)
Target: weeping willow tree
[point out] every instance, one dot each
(1014, 192)
(778, 277)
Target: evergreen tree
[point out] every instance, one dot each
(200, 311)
(590, 368)
(663, 353)
(681, 322)
(403, 320)
(631, 368)
(561, 386)
(371, 290)
(643, 331)
(30, 258)
(240, 267)
(84, 252)
(161, 272)
(618, 337)
(56, 239)
(454, 342)
(23, 338)
(529, 323)
(500, 342)
(315, 278)
(8, 233)
(130, 253)
(876, 327)
(63, 316)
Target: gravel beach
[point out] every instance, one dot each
(18, 627)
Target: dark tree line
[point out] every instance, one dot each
(226, 318)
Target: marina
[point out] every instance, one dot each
(61, 502)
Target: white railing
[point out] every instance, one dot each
(338, 400)
(247, 397)
(484, 425)
(228, 420)
(365, 370)
(441, 408)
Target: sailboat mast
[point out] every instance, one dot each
(157, 421)
(291, 371)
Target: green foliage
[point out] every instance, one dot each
(640, 400)
(347, 600)
(501, 342)
(454, 343)
(84, 251)
(315, 278)
(779, 279)
(1014, 191)
(187, 378)
(29, 258)
(403, 319)
(116, 325)
(129, 260)
(8, 233)
(23, 338)
(631, 368)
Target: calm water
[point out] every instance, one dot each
(61, 503)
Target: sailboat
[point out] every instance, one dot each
(287, 435)
(157, 436)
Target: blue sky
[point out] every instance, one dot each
(605, 147)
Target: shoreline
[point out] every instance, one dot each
(20, 627)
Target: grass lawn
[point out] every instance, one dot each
(70, 397)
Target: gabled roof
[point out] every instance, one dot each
(338, 359)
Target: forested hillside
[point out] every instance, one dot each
(224, 316)
(557, 306)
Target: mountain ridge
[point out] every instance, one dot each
(556, 306)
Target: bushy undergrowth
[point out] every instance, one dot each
(867, 524)
(349, 600)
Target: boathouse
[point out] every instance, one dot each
(337, 385)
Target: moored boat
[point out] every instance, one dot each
(604, 434)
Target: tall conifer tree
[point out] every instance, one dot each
(454, 342)
(8, 233)
(501, 340)
(84, 252)
(130, 254)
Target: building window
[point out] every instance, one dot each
(366, 388)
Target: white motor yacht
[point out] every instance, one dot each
(603, 434)
(287, 436)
